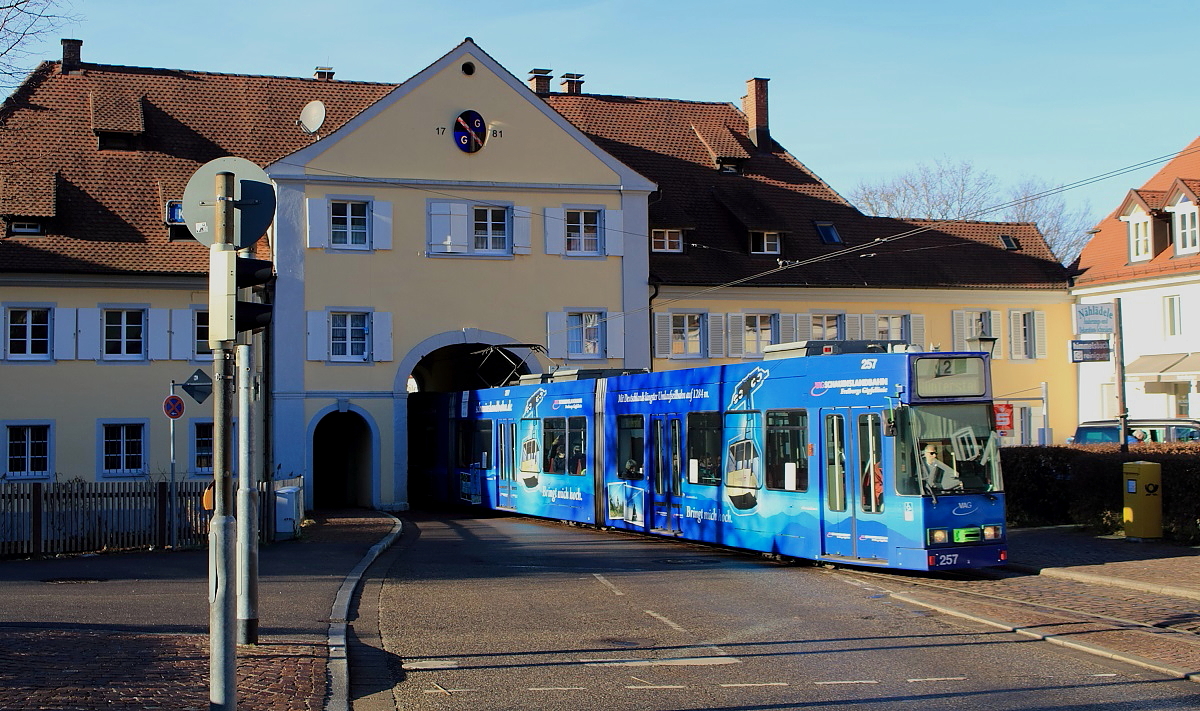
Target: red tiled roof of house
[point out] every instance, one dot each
(673, 143)
(106, 208)
(1105, 259)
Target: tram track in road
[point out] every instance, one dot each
(1110, 604)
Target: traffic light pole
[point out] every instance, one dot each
(222, 655)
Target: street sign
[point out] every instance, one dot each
(173, 407)
(199, 386)
(1094, 351)
(1095, 318)
(253, 200)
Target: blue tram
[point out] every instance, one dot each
(874, 459)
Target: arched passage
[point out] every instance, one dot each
(341, 472)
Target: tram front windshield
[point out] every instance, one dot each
(947, 449)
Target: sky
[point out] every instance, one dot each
(860, 92)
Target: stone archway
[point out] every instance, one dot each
(341, 472)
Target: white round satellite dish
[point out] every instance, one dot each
(312, 116)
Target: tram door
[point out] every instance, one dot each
(506, 465)
(666, 478)
(851, 470)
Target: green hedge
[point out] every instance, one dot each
(1084, 485)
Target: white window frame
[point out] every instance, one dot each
(349, 225)
(687, 335)
(1172, 316)
(762, 242)
(1027, 334)
(1139, 238)
(759, 330)
(28, 340)
(1187, 232)
(124, 336)
(345, 334)
(490, 234)
(666, 240)
(130, 432)
(25, 428)
(195, 452)
(200, 348)
(897, 328)
(585, 334)
(827, 321)
(575, 226)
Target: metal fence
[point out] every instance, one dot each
(80, 517)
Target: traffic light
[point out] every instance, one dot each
(228, 273)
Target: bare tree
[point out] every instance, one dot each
(21, 22)
(948, 190)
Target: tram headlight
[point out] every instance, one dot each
(937, 535)
(993, 532)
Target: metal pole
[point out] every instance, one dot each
(247, 506)
(171, 492)
(1119, 357)
(222, 658)
(1045, 415)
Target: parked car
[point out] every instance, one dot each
(1164, 430)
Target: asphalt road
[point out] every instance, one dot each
(512, 613)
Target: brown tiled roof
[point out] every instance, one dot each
(1105, 259)
(106, 207)
(673, 143)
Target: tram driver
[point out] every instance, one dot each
(938, 473)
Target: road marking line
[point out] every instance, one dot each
(677, 662)
(849, 681)
(665, 621)
(769, 683)
(431, 664)
(942, 678)
(612, 587)
(443, 690)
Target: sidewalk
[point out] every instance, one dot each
(129, 630)
(1122, 599)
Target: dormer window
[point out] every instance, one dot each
(116, 141)
(1186, 233)
(828, 233)
(1139, 238)
(666, 240)
(24, 227)
(764, 243)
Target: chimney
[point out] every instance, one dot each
(754, 105)
(323, 73)
(572, 83)
(70, 60)
(539, 81)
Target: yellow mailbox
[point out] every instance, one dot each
(1143, 499)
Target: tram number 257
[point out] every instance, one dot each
(945, 559)
(868, 364)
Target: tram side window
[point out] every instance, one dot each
(631, 449)
(482, 456)
(870, 462)
(835, 462)
(576, 445)
(704, 448)
(554, 445)
(463, 442)
(787, 450)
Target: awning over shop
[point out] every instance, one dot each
(1151, 367)
(1186, 369)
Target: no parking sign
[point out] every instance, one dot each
(173, 407)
